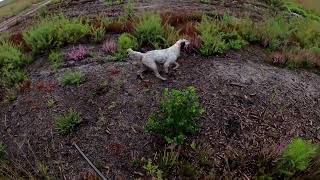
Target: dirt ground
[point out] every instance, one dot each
(249, 105)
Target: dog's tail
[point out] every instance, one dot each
(136, 54)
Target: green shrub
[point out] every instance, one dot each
(230, 35)
(179, 110)
(11, 62)
(55, 32)
(149, 31)
(299, 153)
(66, 124)
(125, 42)
(212, 38)
(153, 170)
(55, 59)
(307, 32)
(72, 78)
(13, 77)
(10, 56)
(274, 33)
(247, 30)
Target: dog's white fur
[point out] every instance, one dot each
(163, 56)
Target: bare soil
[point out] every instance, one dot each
(250, 105)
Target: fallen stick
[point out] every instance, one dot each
(91, 164)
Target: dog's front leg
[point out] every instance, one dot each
(141, 70)
(176, 66)
(166, 66)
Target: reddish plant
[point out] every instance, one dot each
(16, 39)
(176, 19)
(25, 86)
(120, 27)
(40, 86)
(77, 54)
(109, 46)
(188, 29)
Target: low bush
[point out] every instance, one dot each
(247, 30)
(149, 31)
(298, 154)
(274, 33)
(290, 161)
(307, 32)
(72, 78)
(10, 56)
(11, 63)
(125, 42)
(55, 32)
(55, 59)
(211, 37)
(66, 124)
(178, 112)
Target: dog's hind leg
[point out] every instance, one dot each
(156, 73)
(154, 68)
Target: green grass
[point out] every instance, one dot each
(72, 78)
(13, 7)
(66, 124)
(55, 59)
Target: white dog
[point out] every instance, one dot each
(164, 56)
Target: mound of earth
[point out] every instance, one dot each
(249, 105)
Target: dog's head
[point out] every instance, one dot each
(183, 43)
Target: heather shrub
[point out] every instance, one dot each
(149, 31)
(66, 124)
(109, 46)
(77, 53)
(211, 37)
(72, 78)
(55, 59)
(177, 118)
(55, 32)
